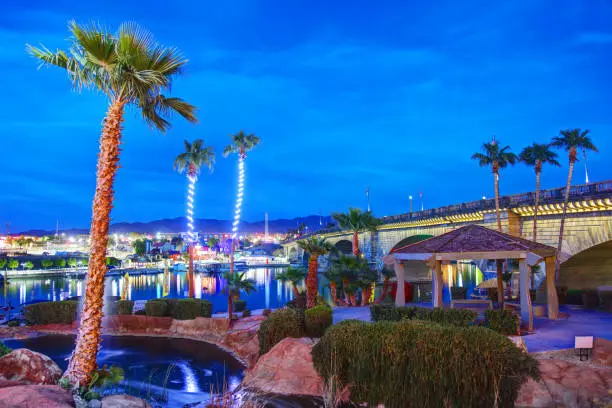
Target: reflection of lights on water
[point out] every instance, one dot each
(198, 286)
(22, 292)
(267, 287)
(189, 378)
(79, 288)
(233, 383)
(178, 283)
(114, 288)
(158, 291)
(208, 284)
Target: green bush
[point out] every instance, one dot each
(51, 312)
(206, 308)
(156, 308)
(502, 321)
(458, 293)
(186, 309)
(267, 312)
(246, 313)
(455, 317)
(13, 323)
(123, 307)
(239, 305)
(590, 298)
(317, 320)
(4, 350)
(281, 324)
(299, 302)
(605, 300)
(418, 364)
(573, 297)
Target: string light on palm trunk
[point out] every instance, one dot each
(238, 208)
(190, 205)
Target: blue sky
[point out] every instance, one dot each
(393, 95)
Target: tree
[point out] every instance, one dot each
(351, 269)
(140, 247)
(28, 265)
(46, 263)
(294, 276)
(2, 263)
(497, 158)
(112, 261)
(241, 144)
(237, 282)
(387, 273)
(130, 69)
(356, 221)
(21, 242)
(13, 264)
(212, 243)
(84, 261)
(535, 156)
(72, 262)
(112, 242)
(315, 246)
(333, 277)
(60, 263)
(190, 162)
(570, 140)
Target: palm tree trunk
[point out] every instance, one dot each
(312, 281)
(83, 360)
(385, 289)
(537, 204)
(356, 243)
(365, 295)
(562, 227)
(294, 288)
(345, 284)
(333, 288)
(499, 263)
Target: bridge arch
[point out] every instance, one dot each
(588, 269)
(344, 246)
(411, 240)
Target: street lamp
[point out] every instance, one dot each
(410, 197)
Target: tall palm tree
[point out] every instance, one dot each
(535, 156)
(315, 246)
(497, 158)
(130, 69)
(570, 140)
(293, 276)
(195, 156)
(356, 221)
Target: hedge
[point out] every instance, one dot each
(421, 364)
(281, 324)
(180, 309)
(123, 307)
(458, 292)
(51, 312)
(456, 317)
(573, 297)
(590, 298)
(186, 309)
(605, 300)
(156, 308)
(502, 321)
(317, 320)
(239, 305)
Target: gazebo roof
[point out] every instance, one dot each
(475, 239)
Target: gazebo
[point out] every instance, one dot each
(474, 242)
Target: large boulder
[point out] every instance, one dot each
(29, 367)
(602, 352)
(36, 396)
(242, 339)
(286, 369)
(123, 401)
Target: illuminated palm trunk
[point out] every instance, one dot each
(312, 283)
(333, 288)
(356, 243)
(237, 213)
(191, 176)
(365, 295)
(566, 199)
(345, 285)
(385, 289)
(499, 266)
(538, 170)
(83, 360)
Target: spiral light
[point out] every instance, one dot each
(190, 195)
(239, 198)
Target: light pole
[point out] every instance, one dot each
(410, 197)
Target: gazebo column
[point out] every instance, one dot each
(400, 297)
(526, 309)
(437, 284)
(551, 290)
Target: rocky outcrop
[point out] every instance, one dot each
(286, 369)
(36, 396)
(29, 367)
(602, 352)
(566, 384)
(242, 339)
(123, 401)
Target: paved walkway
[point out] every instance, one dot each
(550, 334)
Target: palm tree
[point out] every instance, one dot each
(294, 276)
(571, 140)
(333, 277)
(356, 221)
(195, 156)
(315, 246)
(366, 279)
(497, 158)
(212, 242)
(130, 69)
(535, 156)
(237, 282)
(387, 273)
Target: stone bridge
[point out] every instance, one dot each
(588, 226)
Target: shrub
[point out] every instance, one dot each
(317, 320)
(246, 313)
(502, 321)
(299, 302)
(455, 317)
(562, 294)
(492, 294)
(186, 309)
(4, 350)
(605, 300)
(206, 308)
(280, 324)
(267, 312)
(573, 297)
(13, 323)
(156, 308)
(51, 312)
(590, 298)
(123, 307)
(458, 293)
(419, 364)
(239, 305)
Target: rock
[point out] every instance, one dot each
(602, 351)
(519, 342)
(94, 404)
(36, 396)
(123, 401)
(242, 339)
(286, 369)
(29, 367)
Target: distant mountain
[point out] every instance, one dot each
(174, 225)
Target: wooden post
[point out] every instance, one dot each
(437, 284)
(551, 290)
(400, 297)
(526, 308)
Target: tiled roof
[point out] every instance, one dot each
(473, 238)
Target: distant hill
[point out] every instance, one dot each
(174, 225)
